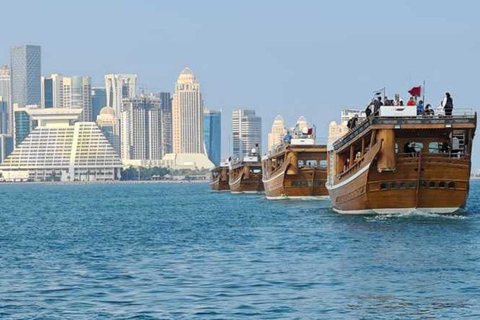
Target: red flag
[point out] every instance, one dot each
(310, 131)
(415, 91)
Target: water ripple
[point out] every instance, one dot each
(158, 251)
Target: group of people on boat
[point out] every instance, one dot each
(445, 108)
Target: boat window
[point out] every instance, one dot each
(441, 184)
(393, 185)
(412, 184)
(323, 164)
(300, 163)
(403, 185)
(417, 145)
(396, 147)
(423, 183)
(437, 147)
(383, 186)
(256, 170)
(451, 185)
(432, 184)
(311, 163)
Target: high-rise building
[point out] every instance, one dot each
(278, 132)
(166, 106)
(187, 114)
(141, 136)
(6, 146)
(212, 124)
(60, 150)
(246, 132)
(109, 123)
(77, 93)
(26, 72)
(301, 124)
(22, 122)
(52, 91)
(3, 116)
(5, 93)
(118, 87)
(99, 100)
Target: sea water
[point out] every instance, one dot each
(178, 251)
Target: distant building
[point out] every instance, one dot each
(22, 122)
(212, 124)
(52, 91)
(77, 93)
(58, 91)
(3, 116)
(246, 132)
(6, 146)
(277, 133)
(336, 131)
(5, 93)
(26, 71)
(99, 100)
(109, 123)
(60, 150)
(166, 106)
(301, 124)
(187, 114)
(141, 136)
(119, 87)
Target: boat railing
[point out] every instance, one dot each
(425, 155)
(351, 169)
(459, 115)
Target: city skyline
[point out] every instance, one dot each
(312, 62)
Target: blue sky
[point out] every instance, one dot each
(294, 58)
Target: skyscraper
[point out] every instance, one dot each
(166, 106)
(5, 93)
(22, 122)
(278, 132)
(246, 132)
(25, 73)
(52, 91)
(141, 136)
(109, 123)
(77, 94)
(99, 100)
(118, 87)
(3, 116)
(187, 114)
(212, 123)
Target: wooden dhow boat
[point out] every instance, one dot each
(245, 175)
(219, 178)
(296, 169)
(396, 161)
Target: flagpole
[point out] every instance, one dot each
(423, 98)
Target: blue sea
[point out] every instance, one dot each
(178, 251)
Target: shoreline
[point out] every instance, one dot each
(99, 182)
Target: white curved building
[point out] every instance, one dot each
(187, 114)
(60, 150)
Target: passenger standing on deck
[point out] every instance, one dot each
(420, 108)
(447, 104)
(376, 105)
(411, 102)
(368, 110)
(428, 111)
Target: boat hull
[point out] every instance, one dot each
(441, 187)
(218, 185)
(252, 184)
(307, 184)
